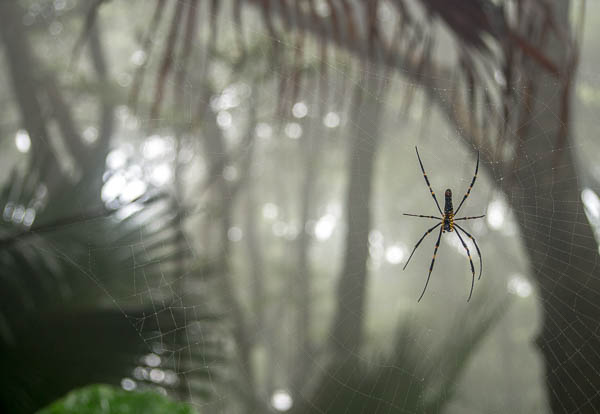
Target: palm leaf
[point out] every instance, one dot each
(71, 313)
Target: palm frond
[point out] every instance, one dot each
(85, 296)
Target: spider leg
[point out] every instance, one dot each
(470, 187)
(469, 218)
(437, 244)
(471, 262)
(427, 181)
(476, 247)
(419, 242)
(419, 215)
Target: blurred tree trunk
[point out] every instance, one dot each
(221, 217)
(545, 193)
(544, 190)
(311, 149)
(40, 98)
(563, 255)
(346, 331)
(106, 122)
(262, 331)
(21, 66)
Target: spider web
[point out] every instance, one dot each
(502, 370)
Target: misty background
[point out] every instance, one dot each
(205, 199)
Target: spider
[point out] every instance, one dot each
(448, 224)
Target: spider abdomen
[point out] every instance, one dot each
(448, 212)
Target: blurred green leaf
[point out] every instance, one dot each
(105, 399)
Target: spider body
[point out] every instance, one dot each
(448, 213)
(447, 223)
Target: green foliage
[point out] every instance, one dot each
(105, 399)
